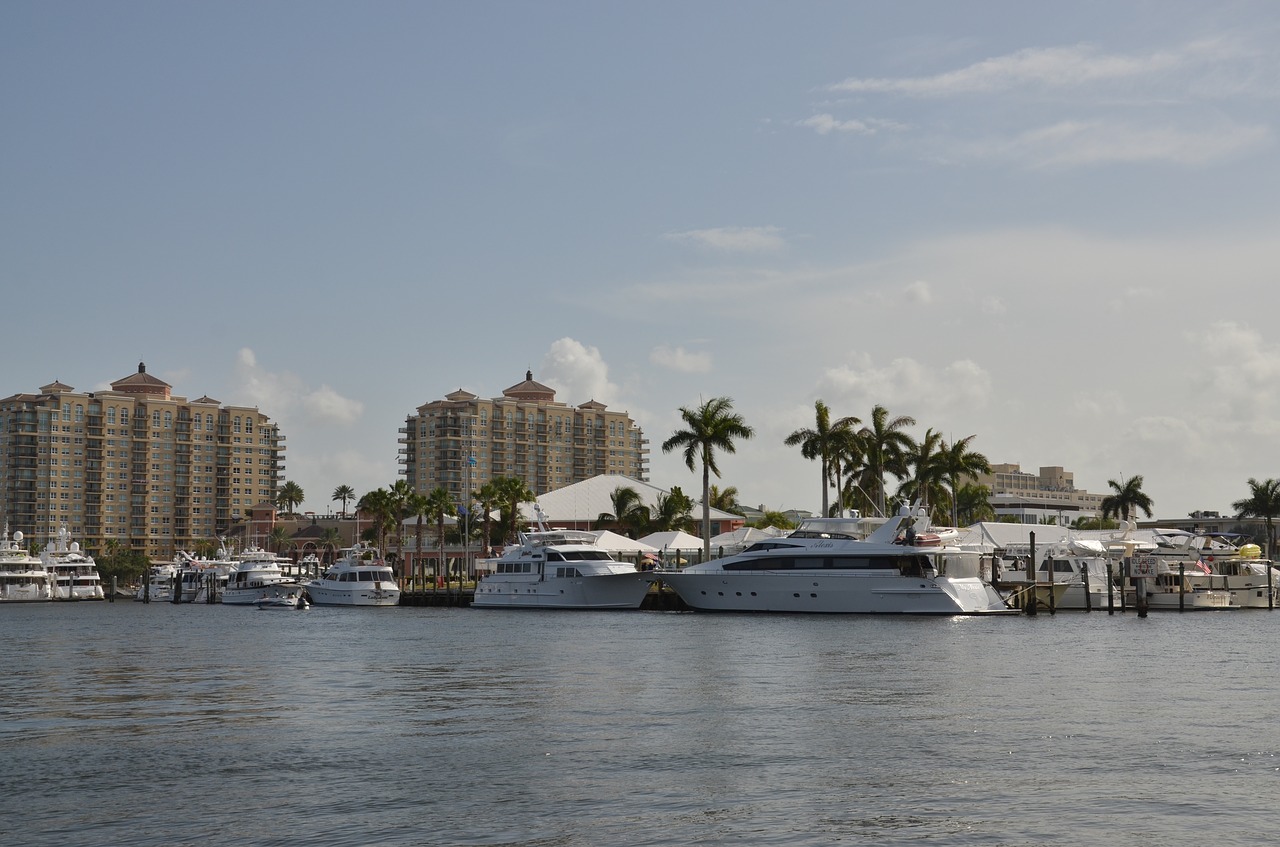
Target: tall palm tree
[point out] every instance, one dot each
(512, 491)
(671, 510)
(415, 506)
(973, 504)
(289, 497)
(343, 493)
(926, 482)
(846, 459)
(401, 491)
(710, 427)
(278, 538)
(884, 450)
(819, 442)
(1128, 498)
(1263, 502)
(960, 463)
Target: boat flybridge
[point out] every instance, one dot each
(826, 566)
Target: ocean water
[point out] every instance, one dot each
(131, 724)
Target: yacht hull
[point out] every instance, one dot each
(605, 591)
(825, 592)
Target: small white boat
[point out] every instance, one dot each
(559, 569)
(358, 578)
(291, 599)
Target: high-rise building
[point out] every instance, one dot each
(1028, 497)
(461, 442)
(136, 464)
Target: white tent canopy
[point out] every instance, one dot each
(744, 537)
(673, 540)
(613, 542)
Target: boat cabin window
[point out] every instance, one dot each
(567, 573)
(781, 563)
(515, 567)
(585, 556)
(1059, 566)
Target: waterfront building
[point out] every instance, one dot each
(134, 464)
(462, 441)
(1033, 498)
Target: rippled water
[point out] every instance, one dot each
(138, 724)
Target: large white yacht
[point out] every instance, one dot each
(258, 574)
(358, 578)
(822, 567)
(74, 572)
(1077, 567)
(559, 569)
(23, 577)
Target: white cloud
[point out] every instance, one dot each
(679, 359)
(1097, 142)
(918, 292)
(578, 373)
(826, 123)
(287, 395)
(907, 383)
(1056, 67)
(733, 239)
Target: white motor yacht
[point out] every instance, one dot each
(75, 573)
(899, 569)
(257, 574)
(358, 578)
(23, 577)
(1075, 567)
(559, 569)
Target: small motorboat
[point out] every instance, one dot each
(283, 600)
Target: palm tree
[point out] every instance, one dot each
(726, 500)
(278, 538)
(379, 506)
(415, 506)
(884, 447)
(401, 491)
(343, 493)
(671, 511)
(289, 497)
(1263, 502)
(1128, 498)
(928, 473)
(487, 499)
(332, 539)
(972, 504)
(624, 500)
(820, 443)
(512, 491)
(439, 506)
(959, 462)
(846, 459)
(710, 427)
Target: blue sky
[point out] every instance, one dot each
(1052, 226)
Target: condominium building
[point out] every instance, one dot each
(463, 441)
(134, 464)
(1030, 498)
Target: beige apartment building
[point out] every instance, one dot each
(136, 464)
(1030, 498)
(463, 441)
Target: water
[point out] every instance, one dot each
(138, 724)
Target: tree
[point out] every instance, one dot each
(726, 500)
(820, 442)
(846, 459)
(884, 450)
(512, 491)
(487, 500)
(1128, 498)
(343, 493)
(959, 462)
(331, 539)
(625, 501)
(773, 518)
(710, 427)
(289, 497)
(928, 474)
(416, 506)
(439, 506)
(1263, 502)
(671, 511)
(379, 506)
(972, 504)
(401, 492)
(278, 538)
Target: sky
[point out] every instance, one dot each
(1053, 227)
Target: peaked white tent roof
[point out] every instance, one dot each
(587, 500)
(607, 539)
(673, 540)
(740, 539)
